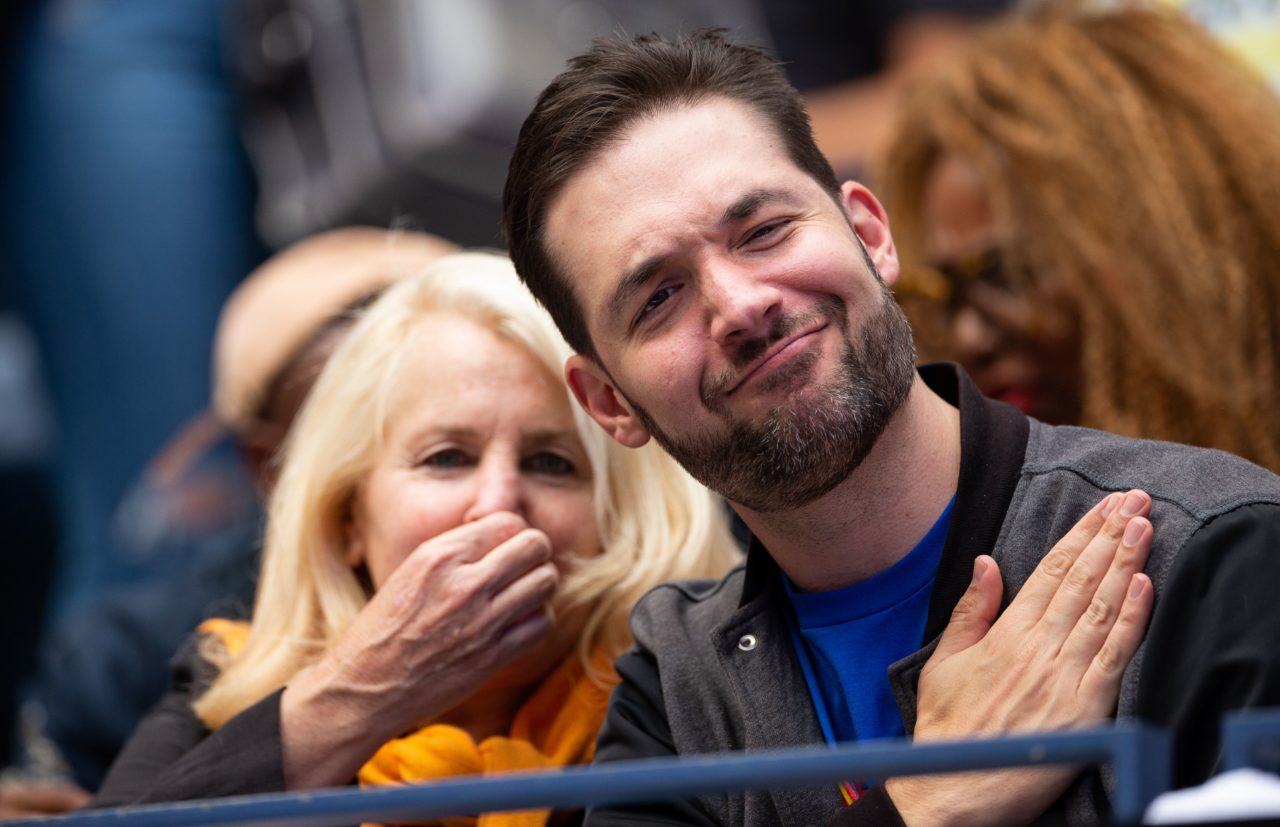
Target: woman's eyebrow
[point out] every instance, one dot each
(548, 436)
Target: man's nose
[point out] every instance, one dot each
(742, 302)
(498, 487)
(972, 336)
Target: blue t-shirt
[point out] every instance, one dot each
(846, 639)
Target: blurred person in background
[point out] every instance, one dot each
(196, 511)
(452, 552)
(26, 501)
(30, 543)
(1087, 205)
(128, 205)
(852, 61)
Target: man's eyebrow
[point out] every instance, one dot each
(747, 205)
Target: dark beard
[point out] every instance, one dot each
(808, 445)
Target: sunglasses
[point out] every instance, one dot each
(948, 284)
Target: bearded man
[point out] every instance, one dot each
(727, 297)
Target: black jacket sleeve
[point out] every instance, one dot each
(636, 727)
(172, 756)
(1214, 641)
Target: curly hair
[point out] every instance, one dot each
(1140, 163)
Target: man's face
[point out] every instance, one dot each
(737, 318)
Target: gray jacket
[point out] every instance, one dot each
(714, 669)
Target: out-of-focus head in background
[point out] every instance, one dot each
(1087, 208)
(279, 327)
(192, 522)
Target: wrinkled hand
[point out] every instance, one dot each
(1053, 660)
(451, 614)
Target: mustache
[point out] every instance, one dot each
(747, 352)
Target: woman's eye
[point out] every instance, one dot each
(448, 458)
(550, 464)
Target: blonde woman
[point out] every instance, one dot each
(452, 551)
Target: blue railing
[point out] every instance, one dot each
(1251, 739)
(1138, 755)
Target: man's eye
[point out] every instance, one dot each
(448, 458)
(546, 462)
(656, 300)
(764, 231)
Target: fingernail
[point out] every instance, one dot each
(979, 567)
(1136, 586)
(1109, 505)
(1133, 532)
(1132, 504)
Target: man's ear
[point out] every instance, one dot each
(871, 224)
(597, 395)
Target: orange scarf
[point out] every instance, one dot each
(556, 727)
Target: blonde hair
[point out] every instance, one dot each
(655, 523)
(1142, 164)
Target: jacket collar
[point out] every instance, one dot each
(993, 442)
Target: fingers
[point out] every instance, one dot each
(522, 575)
(976, 610)
(1043, 584)
(523, 581)
(1097, 621)
(526, 589)
(513, 559)
(1081, 588)
(476, 539)
(1040, 587)
(1056, 656)
(523, 633)
(1100, 684)
(452, 586)
(520, 580)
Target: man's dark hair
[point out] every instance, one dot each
(603, 92)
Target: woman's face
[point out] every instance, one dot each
(1020, 348)
(477, 426)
